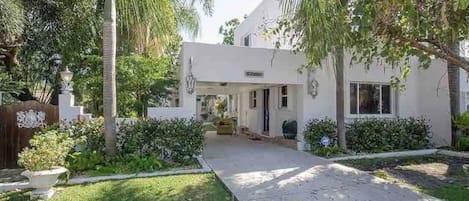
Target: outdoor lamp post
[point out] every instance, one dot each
(67, 84)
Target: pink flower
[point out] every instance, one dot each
(420, 6)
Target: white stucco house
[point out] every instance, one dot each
(267, 89)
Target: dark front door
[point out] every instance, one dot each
(266, 110)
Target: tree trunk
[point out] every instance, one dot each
(109, 89)
(454, 91)
(340, 93)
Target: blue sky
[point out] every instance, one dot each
(224, 10)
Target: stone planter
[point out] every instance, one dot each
(43, 181)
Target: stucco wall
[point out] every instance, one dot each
(263, 17)
(433, 100)
(219, 63)
(170, 113)
(252, 118)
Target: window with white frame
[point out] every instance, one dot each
(283, 97)
(253, 99)
(247, 40)
(369, 98)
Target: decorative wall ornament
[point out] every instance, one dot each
(30, 119)
(190, 79)
(313, 84)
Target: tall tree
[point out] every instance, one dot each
(320, 32)
(34, 30)
(109, 73)
(145, 22)
(395, 30)
(11, 28)
(228, 30)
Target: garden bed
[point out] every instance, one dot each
(203, 187)
(442, 176)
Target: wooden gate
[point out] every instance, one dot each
(17, 125)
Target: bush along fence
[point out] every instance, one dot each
(370, 135)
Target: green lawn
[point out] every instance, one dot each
(451, 192)
(203, 187)
(441, 176)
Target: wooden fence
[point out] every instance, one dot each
(17, 125)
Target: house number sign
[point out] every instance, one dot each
(254, 74)
(30, 119)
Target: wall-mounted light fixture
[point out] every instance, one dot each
(190, 79)
(313, 84)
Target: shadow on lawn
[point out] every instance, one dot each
(122, 191)
(134, 190)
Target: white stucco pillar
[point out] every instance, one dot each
(68, 112)
(186, 100)
(301, 95)
(238, 109)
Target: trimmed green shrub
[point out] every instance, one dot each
(380, 135)
(462, 123)
(177, 140)
(90, 134)
(463, 144)
(318, 128)
(48, 150)
(93, 134)
(83, 161)
(328, 151)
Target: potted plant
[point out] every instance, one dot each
(44, 161)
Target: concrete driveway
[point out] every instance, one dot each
(255, 170)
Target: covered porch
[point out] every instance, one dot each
(257, 108)
(262, 86)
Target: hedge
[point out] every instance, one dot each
(373, 135)
(175, 140)
(381, 135)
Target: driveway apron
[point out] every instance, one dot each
(256, 170)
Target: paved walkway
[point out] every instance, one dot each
(260, 171)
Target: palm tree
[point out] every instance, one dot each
(109, 91)
(321, 31)
(145, 23)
